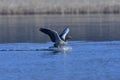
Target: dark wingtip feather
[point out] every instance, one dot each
(40, 29)
(49, 32)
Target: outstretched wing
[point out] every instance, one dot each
(64, 33)
(51, 33)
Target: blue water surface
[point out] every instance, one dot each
(86, 61)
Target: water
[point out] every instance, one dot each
(20, 28)
(86, 61)
(21, 57)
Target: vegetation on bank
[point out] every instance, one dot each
(51, 10)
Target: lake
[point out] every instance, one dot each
(95, 48)
(91, 27)
(86, 61)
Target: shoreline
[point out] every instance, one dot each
(60, 13)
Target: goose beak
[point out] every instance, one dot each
(69, 37)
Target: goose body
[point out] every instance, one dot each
(59, 40)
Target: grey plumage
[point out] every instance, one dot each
(59, 40)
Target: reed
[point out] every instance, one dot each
(47, 7)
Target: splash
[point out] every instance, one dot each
(63, 49)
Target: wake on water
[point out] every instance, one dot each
(32, 47)
(62, 49)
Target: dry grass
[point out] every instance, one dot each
(59, 7)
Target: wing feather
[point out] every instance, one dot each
(51, 33)
(64, 33)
